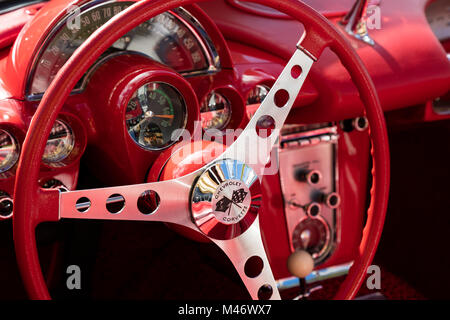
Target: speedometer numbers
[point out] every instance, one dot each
(167, 38)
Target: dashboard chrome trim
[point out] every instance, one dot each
(203, 38)
(315, 149)
(188, 20)
(354, 23)
(316, 276)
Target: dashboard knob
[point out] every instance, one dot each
(300, 264)
(6, 207)
(311, 177)
(332, 200)
(313, 209)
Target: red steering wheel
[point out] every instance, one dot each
(240, 241)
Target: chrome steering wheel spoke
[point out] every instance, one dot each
(249, 258)
(222, 199)
(165, 201)
(255, 144)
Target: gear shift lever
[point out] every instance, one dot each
(300, 264)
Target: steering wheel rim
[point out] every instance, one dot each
(319, 34)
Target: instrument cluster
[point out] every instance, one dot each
(61, 145)
(65, 146)
(154, 114)
(173, 38)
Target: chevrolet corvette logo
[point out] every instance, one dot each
(237, 198)
(231, 201)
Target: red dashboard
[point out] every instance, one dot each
(201, 72)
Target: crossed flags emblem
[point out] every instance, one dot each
(238, 197)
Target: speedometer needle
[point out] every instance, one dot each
(150, 114)
(166, 116)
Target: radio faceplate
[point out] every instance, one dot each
(309, 181)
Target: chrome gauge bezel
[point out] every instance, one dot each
(259, 85)
(230, 111)
(16, 152)
(320, 256)
(180, 130)
(181, 14)
(63, 157)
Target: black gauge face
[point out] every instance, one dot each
(215, 111)
(165, 38)
(153, 114)
(311, 235)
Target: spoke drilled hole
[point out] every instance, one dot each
(296, 71)
(265, 292)
(265, 126)
(253, 267)
(148, 202)
(83, 204)
(281, 98)
(115, 203)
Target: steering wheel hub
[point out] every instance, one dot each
(225, 199)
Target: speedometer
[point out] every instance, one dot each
(173, 38)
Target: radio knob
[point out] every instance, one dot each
(331, 200)
(311, 177)
(313, 209)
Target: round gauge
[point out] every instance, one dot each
(9, 151)
(257, 94)
(60, 143)
(167, 38)
(215, 111)
(153, 113)
(438, 15)
(311, 235)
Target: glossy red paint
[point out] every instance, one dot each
(21, 59)
(93, 112)
(414, 115)
(16, 118)
(194, 156)
(14, 21)
(329, 10)
(353, 166)
(446, 46)
(406, 72)
(27, 216)
(108, 94)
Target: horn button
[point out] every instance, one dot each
(226, 199)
